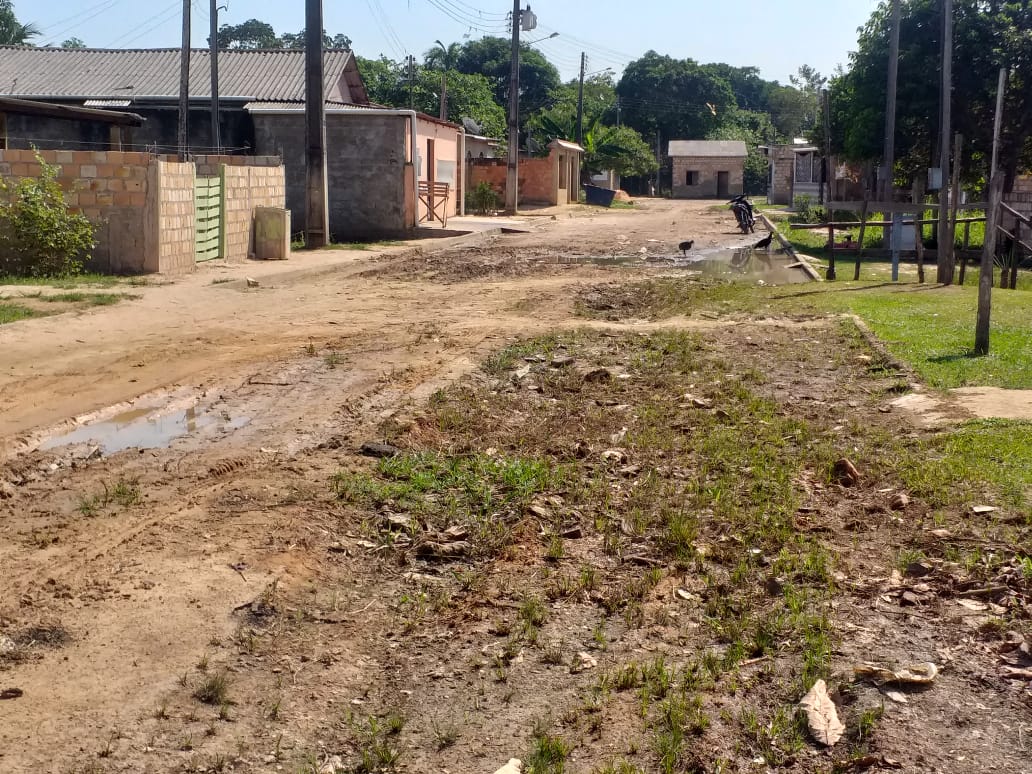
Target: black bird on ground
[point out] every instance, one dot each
(685, 246)
(764, 243)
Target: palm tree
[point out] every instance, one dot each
(13, 32)
(443, 58)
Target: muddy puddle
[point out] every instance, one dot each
(147, 425)
(744, 263)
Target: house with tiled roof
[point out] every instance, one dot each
(377, 158)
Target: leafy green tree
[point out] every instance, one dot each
(754, 129)
(13, 32)
(674, 97)
(249, 34)
(470, 96)
(987, 36)
(443, 58)
(291, 40)
(74, 43)
(491, 58)
(619, 148)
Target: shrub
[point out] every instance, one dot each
(482, 200)
(38, 236)
(806, 211)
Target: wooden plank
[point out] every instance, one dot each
(900, 207)
(860, 249)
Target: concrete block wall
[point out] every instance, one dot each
(108, 187)
(707, 183)
(209, 166)
(169, 236)
(1020, 198)
(248, 187)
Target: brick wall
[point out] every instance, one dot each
(169, 236)
(708, 168)
(209, 166)
(538, 178)
(248, 187)
(108, 187)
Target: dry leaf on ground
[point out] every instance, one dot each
(821, 715)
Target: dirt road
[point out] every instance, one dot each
(204, 604)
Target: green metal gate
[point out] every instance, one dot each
(208, 217)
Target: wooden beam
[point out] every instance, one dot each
(28, 107)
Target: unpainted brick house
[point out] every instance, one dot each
(376, 157)
(707, 168)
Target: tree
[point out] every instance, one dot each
(676, 98)
(290, 40)
(491, 58)
(13, 32)
(619, 148)
(249, 34)
(387, 83)
(74, 43)
(443, 58)
(987, 36)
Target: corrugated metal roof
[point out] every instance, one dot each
(708, 148)
(87, 73)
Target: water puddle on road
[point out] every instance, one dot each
(733, 263)
(146, 427)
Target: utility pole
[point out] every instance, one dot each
(316, 204)
(618, 112)
(411, 81)
(889, 161)
(944, 239)
(213, 46)
(826, 172)
(580, 98)
(512, 163)
(183, 137)
(985, 272)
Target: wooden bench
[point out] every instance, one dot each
(435, 197)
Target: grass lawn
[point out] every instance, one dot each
(88, 279)
(26, 305)
(13, 312)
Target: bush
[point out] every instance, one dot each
(806, 211)
(38, 236)
(482, 200)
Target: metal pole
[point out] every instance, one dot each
(316, 205)
(827, 172)
(580, 99)
(888, 157)
(183, 136)
(985, 272)
(213, 46)
(512, 165)
(945, 250)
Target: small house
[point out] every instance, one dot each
(707, 168)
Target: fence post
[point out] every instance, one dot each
(860, 247)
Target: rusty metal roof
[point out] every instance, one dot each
(90, 73)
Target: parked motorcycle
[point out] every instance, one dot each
(743, 211)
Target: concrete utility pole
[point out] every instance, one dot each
(580, 99)
(827, 173)
(411, 60)
(985, 271)
(944, 273)
(183, 136)
(512, 163)
(316, 205)
(213, 46)
(888, 157)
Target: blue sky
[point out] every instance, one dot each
(775, 35)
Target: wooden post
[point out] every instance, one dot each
(512, 179)
(860, 247)
(985, 273)
(888, 156)
(963, 250)
(958, 146)
(3, 131)
(919, 228)
(1015, 251)
(831, 247)
(944, 253)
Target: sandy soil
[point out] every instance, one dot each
(121, 573)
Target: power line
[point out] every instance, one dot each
(481, 13)
(161, 19)
(386, 29)
(466, 21)
(97, 11)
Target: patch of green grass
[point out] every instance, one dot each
(74, 281)
(548, 755)
(87, 299)
(10, 312)
(214, 689)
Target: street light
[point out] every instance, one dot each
(547, 37)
